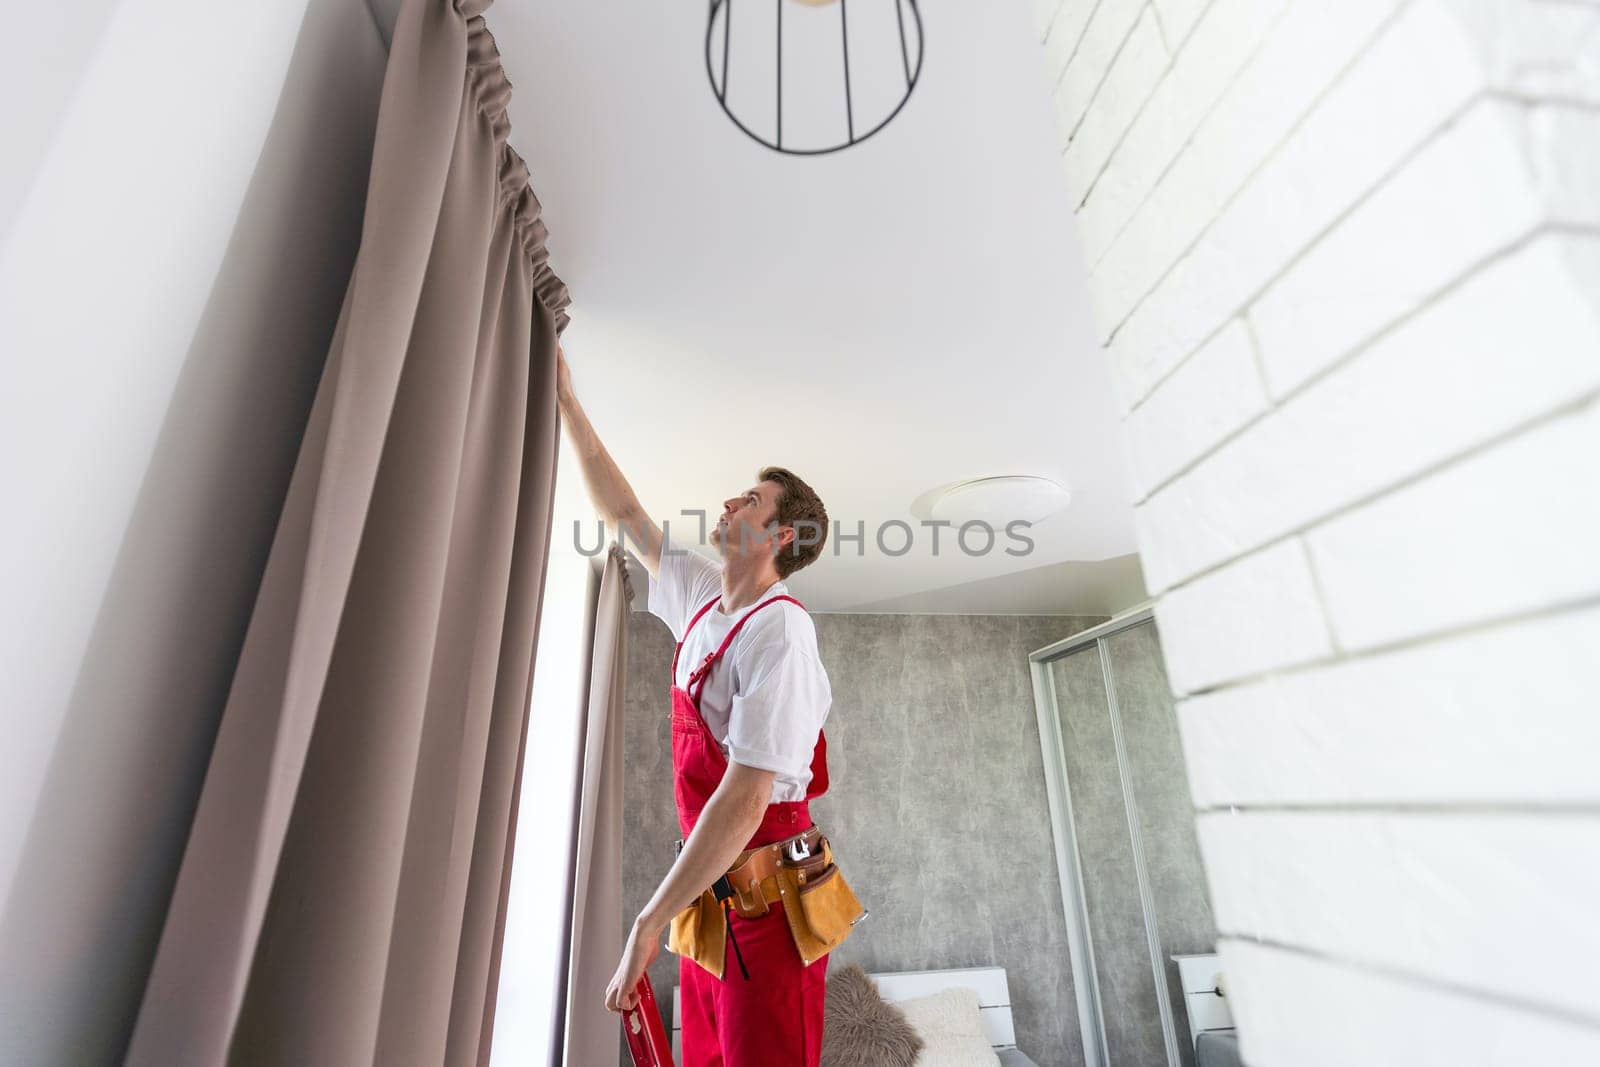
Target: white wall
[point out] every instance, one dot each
(182, 207)
(1345, 261)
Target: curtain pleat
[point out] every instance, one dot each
(341, 895)
(592, 1034)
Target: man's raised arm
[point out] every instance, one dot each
(613, 497)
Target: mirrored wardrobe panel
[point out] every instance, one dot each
(1133, 888)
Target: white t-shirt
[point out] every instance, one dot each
(767, 697)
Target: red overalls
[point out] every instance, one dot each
(774, 1017)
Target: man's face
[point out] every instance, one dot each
(743, 525)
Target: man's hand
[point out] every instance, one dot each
(644, 945)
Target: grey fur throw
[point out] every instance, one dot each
(860, 1028)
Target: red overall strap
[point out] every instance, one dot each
(702, 611)
(699, 673)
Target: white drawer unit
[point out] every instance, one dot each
(1207, 1007)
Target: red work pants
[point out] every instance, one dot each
(772, 1019)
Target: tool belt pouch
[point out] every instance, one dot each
(821, 908)
(699, 932)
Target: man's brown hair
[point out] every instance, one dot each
(800, 507)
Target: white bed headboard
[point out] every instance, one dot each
(994, 998)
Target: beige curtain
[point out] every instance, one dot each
(341, 895)
(593, 1034)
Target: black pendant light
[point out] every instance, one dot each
(809, 77)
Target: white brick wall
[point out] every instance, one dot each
(1407, 893)
(1345, 259)
(1515, 701)
(1138, 66)
(1313, 1011)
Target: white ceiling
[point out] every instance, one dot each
(900, 315)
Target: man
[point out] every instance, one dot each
(749, 698)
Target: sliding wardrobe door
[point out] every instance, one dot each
(1132, 883)
(1116, 933)
(1179, 908)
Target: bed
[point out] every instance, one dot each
(994, 1003)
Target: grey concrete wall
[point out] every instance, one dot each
(937, 810)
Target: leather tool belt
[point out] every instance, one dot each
(798, 874)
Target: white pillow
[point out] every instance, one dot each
(947, 1022)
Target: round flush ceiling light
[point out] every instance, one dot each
(996, 501)
(809, 77)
